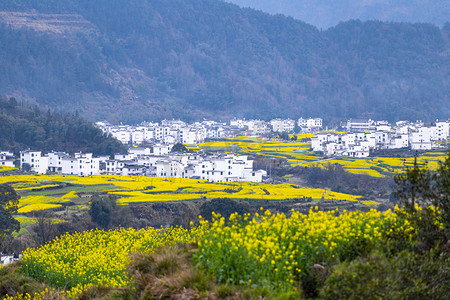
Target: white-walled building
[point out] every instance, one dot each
(6, 159)
(310, 124)
(360, 125)
(55, 161)
(35, 160)
(282, 125)
(81, 164)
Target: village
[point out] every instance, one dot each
(150, 147)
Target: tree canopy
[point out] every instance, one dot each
(23, 127)
(9, 201)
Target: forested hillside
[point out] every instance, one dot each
(133, 60)
(326, 13)
(23, 127)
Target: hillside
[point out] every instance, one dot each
(324, 13)
(23, 127)
(135, 60)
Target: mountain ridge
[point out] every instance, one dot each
(195, 59)
(325, 14)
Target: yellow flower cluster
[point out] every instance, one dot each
(33, 203)
(36, 207)
(274, 250)
(44, 295)
(5, 168)
(95, 257)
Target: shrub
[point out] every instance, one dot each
(404, 276)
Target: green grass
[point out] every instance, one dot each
(75, 188)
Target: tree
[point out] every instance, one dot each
(101, 210)
(9, 200)
(418, 188)
(422, 186)
(442, 189)
(414, 186)
(44, 228)
(223, 206)
(179, 147)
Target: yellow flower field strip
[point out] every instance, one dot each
(94, 257)
(241, 191)
(5, 168)
(370, 202)
(40, 187)
(369, 172)
(36, 207)
(28, 200)
(69, 195)
(26, 221)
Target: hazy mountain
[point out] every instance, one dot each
(327, 13)
(130, 60)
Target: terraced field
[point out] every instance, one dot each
(297, 153)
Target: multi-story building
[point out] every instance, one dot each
(35, 160)
(6, 159)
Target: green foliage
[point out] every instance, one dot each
(9, 201)
(101, 210)
(23, 127)
(404, 276)
(179, 147)
(223, 206)
(13, 282)
(422, 186)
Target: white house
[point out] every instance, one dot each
(113, 167)
(421, 139)
(360, 124)
(309, 124)
(81, 164)
(442, 131)
(55, 161)
(135, 152)
(122, 133)
(9, 259)
(359, 149)
(35, 160)
(161, 149)
(6, 159)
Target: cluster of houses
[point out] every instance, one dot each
(155, 161)
(360, 138)
(363, 136)
(176, 131)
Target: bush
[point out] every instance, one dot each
(223, 206)
(13, 282)
(404, 276)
